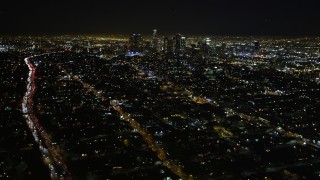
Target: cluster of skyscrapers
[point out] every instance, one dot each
(175, 44)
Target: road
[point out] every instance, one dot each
(257, 121)
(50, 154)
(147, 137)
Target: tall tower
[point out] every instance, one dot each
(256, 46)
(180, 43)
(154, 33)
(170, 45)
(155, 41)
(183, 43)
(205, 47)
(165, 44)
(135, 42)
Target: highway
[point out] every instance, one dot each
(58, 169)
(50, 154)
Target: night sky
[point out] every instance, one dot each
(216, 17)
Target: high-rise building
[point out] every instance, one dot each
(256, 46)
(168, 45)
(155, 41)
(180, 43)
(135, 42)
(165, 44)
(154, 33)
(205, 47)
(183, 43)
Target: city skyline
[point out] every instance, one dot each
(174, 107)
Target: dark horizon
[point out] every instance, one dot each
(245, 18)
(149, 35)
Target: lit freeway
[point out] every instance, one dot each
(51, 157)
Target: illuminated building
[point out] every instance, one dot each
(168, 45)
(205, 47)
(135, 42)
(155, 41)
(180, 43)
(165, 44)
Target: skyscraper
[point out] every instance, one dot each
(165, 44)
(168, 45)
(154, 33)
(155, 41)
(180, 43)
(256, 46)
(171, 46)
(205, 47)
(135, 42)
